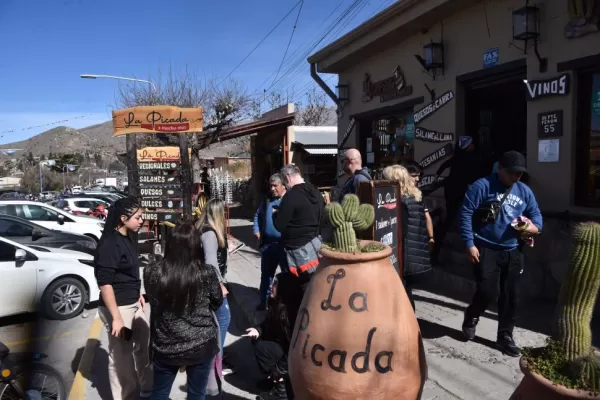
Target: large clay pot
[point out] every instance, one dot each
(535, 387)
(356, 335)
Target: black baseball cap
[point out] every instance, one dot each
(513, 161)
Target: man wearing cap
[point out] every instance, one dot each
(464, 170)
(494, 247)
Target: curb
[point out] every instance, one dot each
(79, 386)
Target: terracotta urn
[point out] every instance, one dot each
(356, 334)
(535, 387)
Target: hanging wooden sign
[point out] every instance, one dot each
(146, 192)
(161, 216)
(166, 153)
(171, 204)
(160, 179)
(432, 107)
(429, 180)
(437, 155)
(347, 134)
(160, 166)
(426, 135)
(157, 119)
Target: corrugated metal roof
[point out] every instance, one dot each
(321, 152)
(308, 135)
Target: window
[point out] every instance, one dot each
(7, 252)
(38, 213)
(14, 229)
(588, 140)
(83, 204)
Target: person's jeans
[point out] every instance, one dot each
(224, 319)
(272, 255)
(507, 266)
(197, 377)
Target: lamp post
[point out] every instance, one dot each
(123, 78)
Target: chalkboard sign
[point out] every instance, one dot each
(387, 226)
(550, 124)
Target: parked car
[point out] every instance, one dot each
(81, 204)
(13, 196)
(53, 218)
(30, 234)
(76, 190)
(58, 282)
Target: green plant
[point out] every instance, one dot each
(347, 218)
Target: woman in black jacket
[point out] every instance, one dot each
(272, 338)
(183, 293)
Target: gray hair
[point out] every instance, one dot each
(290, 169)
(275, 178)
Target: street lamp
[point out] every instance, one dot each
(123, 78)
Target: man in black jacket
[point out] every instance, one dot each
(352, 165)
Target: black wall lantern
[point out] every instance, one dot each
(433, 58)
(526, 27)
(343, 94)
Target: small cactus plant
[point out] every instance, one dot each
(347, 218)
(578, 293)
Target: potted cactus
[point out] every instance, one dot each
(356, 335)
(568, 367)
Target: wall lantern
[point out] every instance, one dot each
(343, 94)
(433, 58)
(526, 27)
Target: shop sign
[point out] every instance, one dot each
(433, 136)
(550, 124)
(161, 216)
(160, 192)
(409, 130)
(157, 119)
(430, 183)
(432, 107)
(166, 153)
(161, 204)
(437, 156)
(490, 57)
(560, 86)
(159, 166)
(160, 179)
(387, 89)
(347, 134)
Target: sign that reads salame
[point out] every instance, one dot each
(157, 119)
(159, 166)
(158, 179)
(437, 155)
(433, 136)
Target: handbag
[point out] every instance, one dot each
(488, 213)
(304, 260)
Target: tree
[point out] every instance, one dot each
(30, 158)
(30, 182)
(98, 160)
(317, 111)
(116, 166)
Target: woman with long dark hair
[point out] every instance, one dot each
(272, 338)
(183, 293)
(122, 308)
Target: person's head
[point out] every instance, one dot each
(465, 143)
(276, 186)
(511, 167)
(291, 175)
(414, 170)
(351, 161)
(408, 185)
(181, 269)
(213, 216)
(205, 169)
(125, 215)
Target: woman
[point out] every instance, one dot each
(417, 233)
(121, 306)
(272, 338)
(211, 225)
(182, 294)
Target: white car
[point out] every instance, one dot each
(76, 190)
(58, 282)
(53, 218)
(81, 204)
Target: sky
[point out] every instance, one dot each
(48, 44)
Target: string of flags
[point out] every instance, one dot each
(44, 125)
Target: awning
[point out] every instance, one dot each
(321, 152)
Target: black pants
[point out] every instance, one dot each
(271, 358)
(411, 281)
(454, 197)
(507, 267)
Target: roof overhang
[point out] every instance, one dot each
(316, 150)
(403, 19)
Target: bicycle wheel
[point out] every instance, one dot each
(39, 382)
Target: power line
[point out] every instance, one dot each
(262, 41)
(290, 41)
(44, 125)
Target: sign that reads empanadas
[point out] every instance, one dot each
(157, 119)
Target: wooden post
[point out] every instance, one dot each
(186, 179)
(132, 172)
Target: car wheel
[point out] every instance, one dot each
(64, 299)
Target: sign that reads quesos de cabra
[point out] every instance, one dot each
(157, 119)
(432, 107)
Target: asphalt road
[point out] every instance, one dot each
(62, 341)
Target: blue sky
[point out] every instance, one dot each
(47, 44)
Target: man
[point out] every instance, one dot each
(352, 165)
(494, 247)
(269, 238)
(298, 218)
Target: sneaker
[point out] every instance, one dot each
(227, 368)
(506, 345)
(469, 327)
(278, 392)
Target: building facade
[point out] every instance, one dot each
(540, 96)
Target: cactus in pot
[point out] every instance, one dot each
(347, 218)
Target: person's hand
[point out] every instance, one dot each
(224, 290)
(431, 245)
(142, 301)
(257, 236)
(117, 325)
(252, 333)
(473, 255)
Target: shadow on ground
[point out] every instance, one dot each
(98, 373)
(431, 330)
(244, 234)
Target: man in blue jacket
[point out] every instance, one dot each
(494, 247)
(269, 238)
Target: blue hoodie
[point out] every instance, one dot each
(520, 202)
(264, 225)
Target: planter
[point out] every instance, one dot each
(535, 387)
(356, 334)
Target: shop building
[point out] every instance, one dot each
(512, 75)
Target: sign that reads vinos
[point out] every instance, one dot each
(161, 216)
(560, 86)
(157, 119)
(433, 136)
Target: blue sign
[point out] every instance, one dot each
(490, 57)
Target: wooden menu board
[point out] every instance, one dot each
(387, 226)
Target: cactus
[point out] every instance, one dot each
(586, 371)
(347, 218)
(578, 294)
